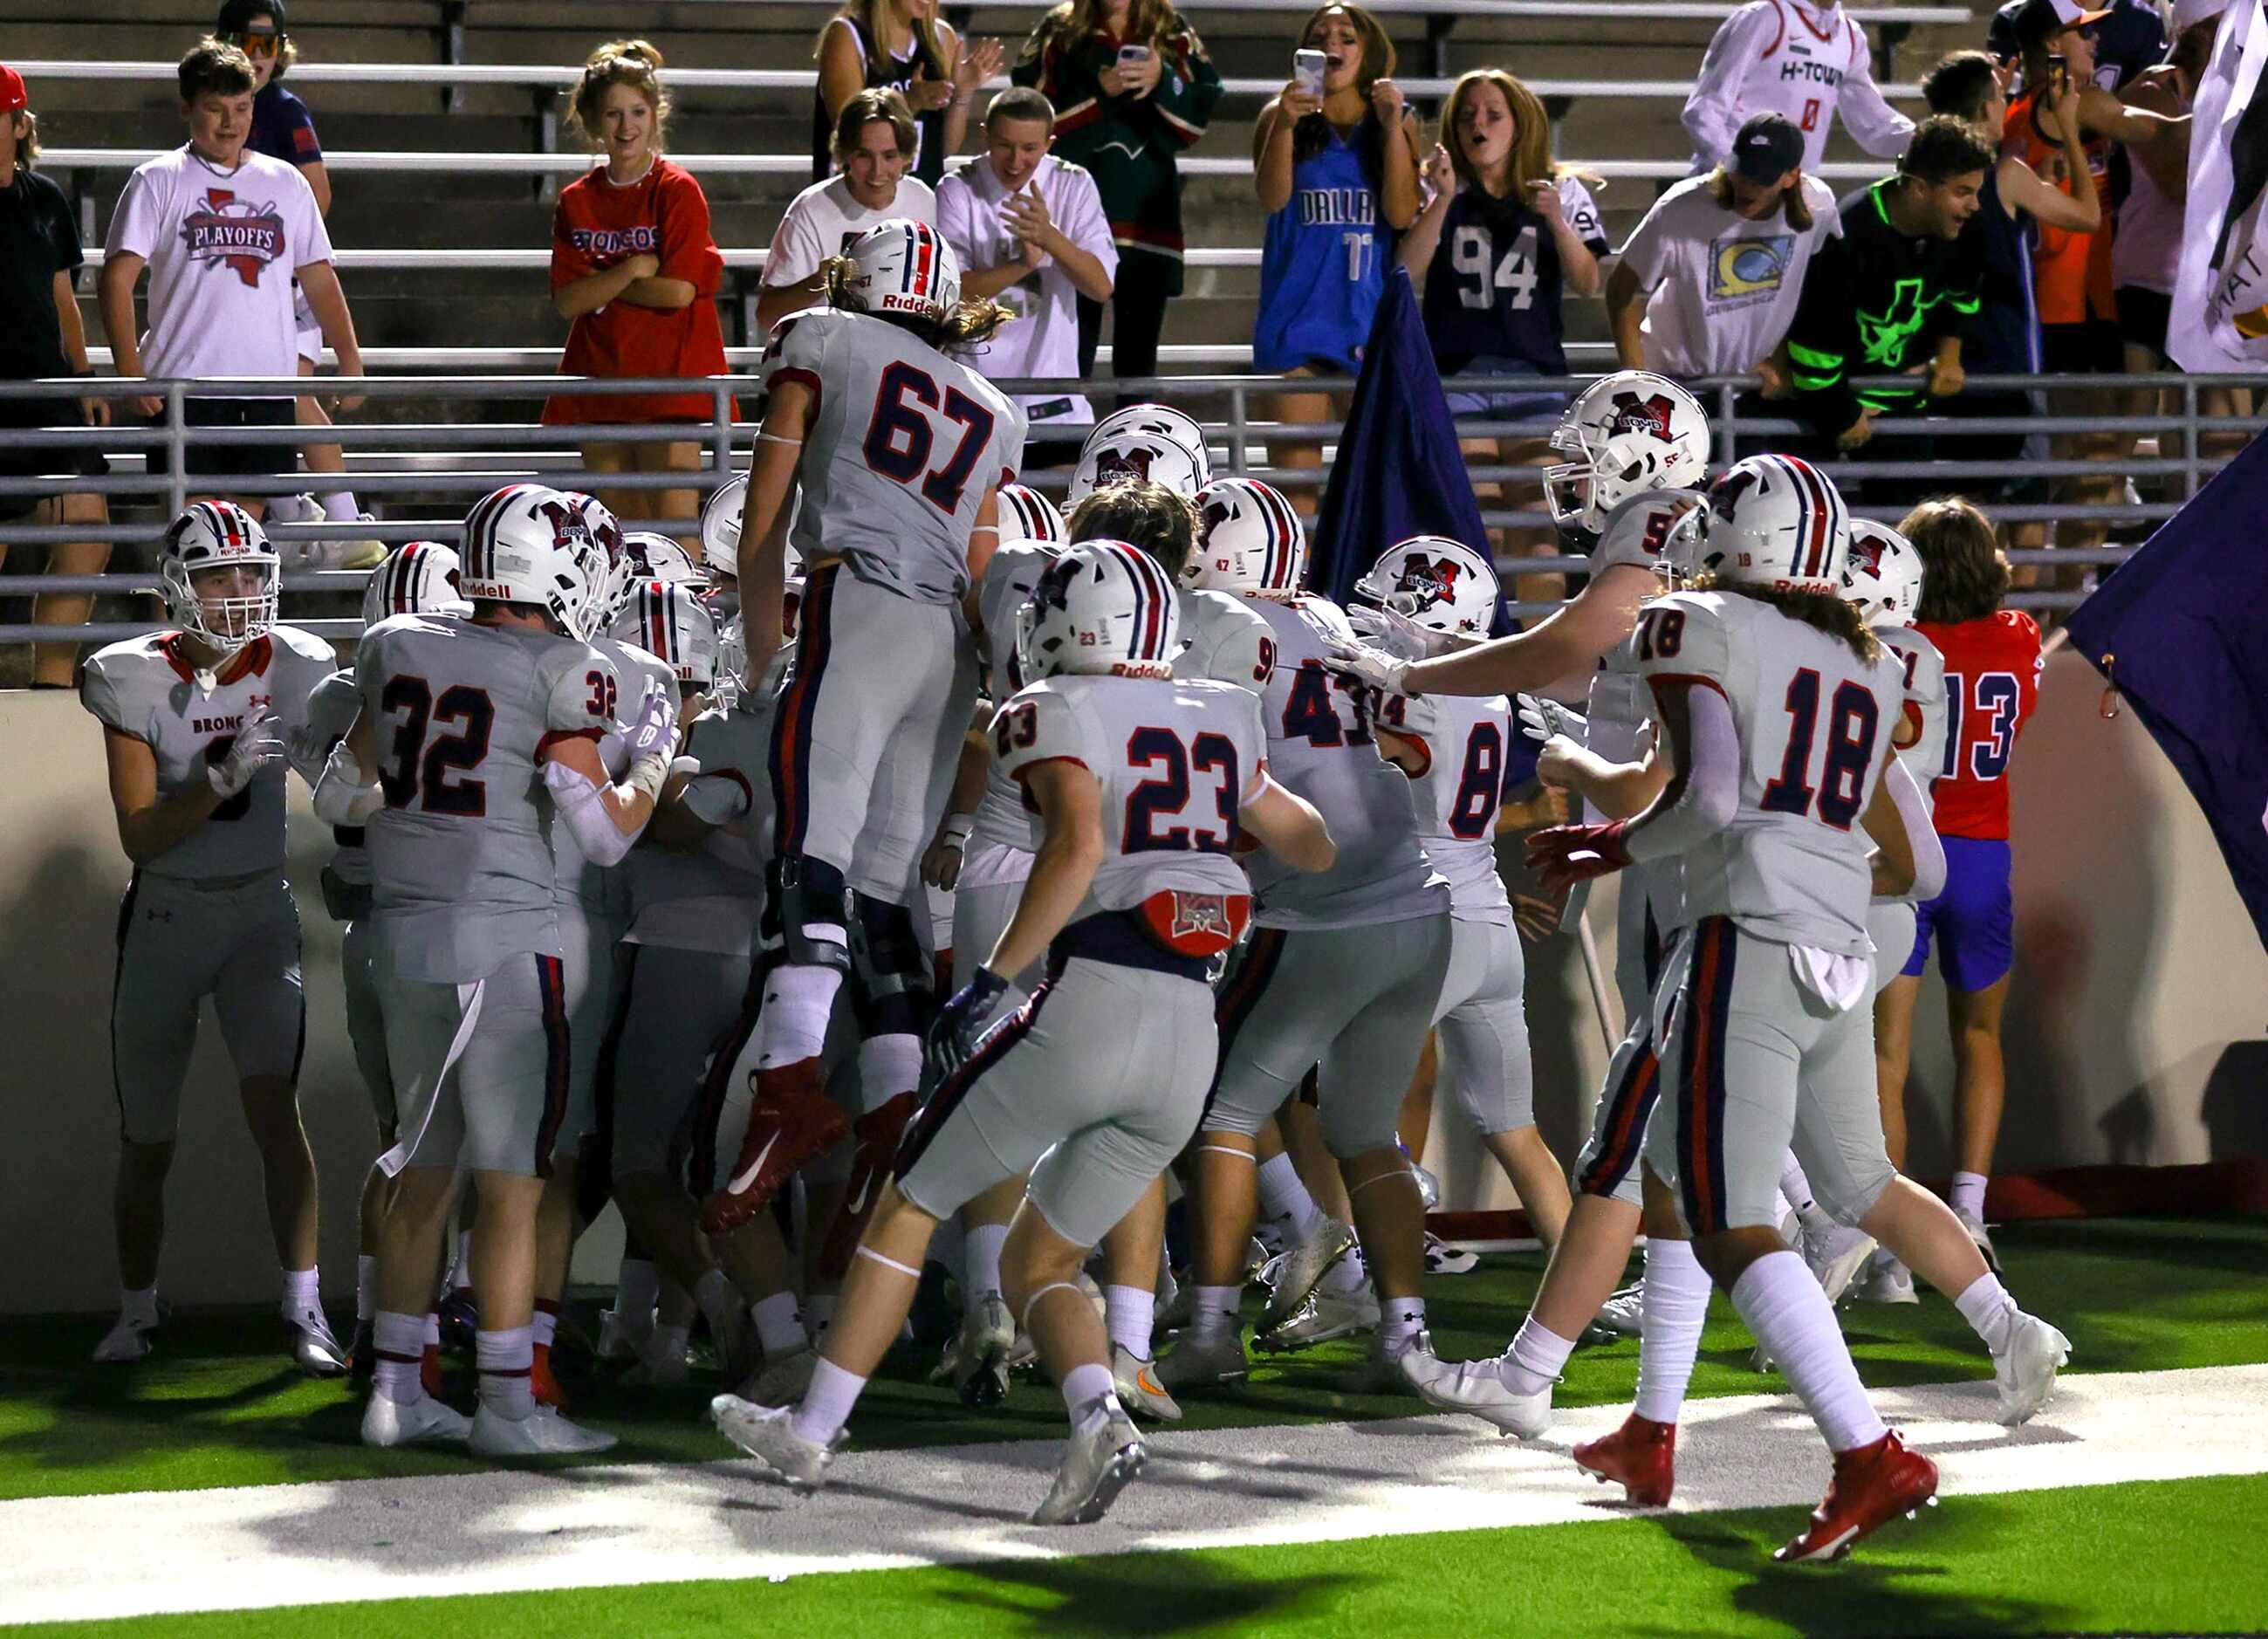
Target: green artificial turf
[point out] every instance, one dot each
(220, 1405)
(2146, 1556)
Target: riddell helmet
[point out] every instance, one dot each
(419, 578)
(1126, 455)
(1628, 432)
(647, 556)
(1103, 607)
(1775, 521)
(1443, 585)
(720, 531)
(902, 267)
(1248, 540)
(1161, 421)
(530, 545)
(216, 535)
(1882, 574)
(667, 619)
(1027, 515)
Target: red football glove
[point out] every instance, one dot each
(1565, 855)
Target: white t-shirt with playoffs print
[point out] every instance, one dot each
(1722, 290)
(823, 219)
(222, 247)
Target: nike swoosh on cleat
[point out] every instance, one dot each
(1148, 1384)
(865, 1196)
(742, 1181)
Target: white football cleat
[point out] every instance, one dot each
(1443, 1258)
(2025, 1371)
(781, 1379)
(979, 1353)
(1203, 1362)
(127, 1342)
(423, 1421)
(1138, 1388)
(1886, 1282)
(1325, 1315)
(1836, 1255)
(1478, 1387)
(543, 1432)
(659, 1368)
(314, 1349)
(623, 1337)
(1976, 1228)
(1303, 1263)
(1103, 1456)
(1625, 1311)
(1396, 1374)
(767, 1433)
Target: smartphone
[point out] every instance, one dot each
(1307, 69)
(1132, 54)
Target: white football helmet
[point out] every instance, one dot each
(903, 266)
(1135, 454)
(218, 535)
(1882, 574)
(1628, 433)
(1777, 522)
(419, 578)
(1027, 515)
(532, 545)
(1161, 421)
(720, 532)
(668, 620)
(1103, 607)
(1443, 585)
(647, 556)
(1248, 540)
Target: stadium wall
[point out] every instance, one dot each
(2135, 1029)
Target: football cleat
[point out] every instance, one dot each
(1381, 1373)
(1872, 1486)
(461, 1320)
(623, 1337)
(1836, 1255)
(660, 1366)
(541, 1384)
(879, 1133)
(1975, 1225)
(423, 1421)
(1103, 1456)
(543, 1432)
(1640, 1456)
(314, 1350)
(1478, 1388)
(1303, 1263)
(1885, 1282)
(979, 1366)
(1205, 1363)
(1443, 1258)
(767, 1433)
(781, 1379)
(1625, 1311)
(1138, 1388)
(792, 1120)
(127, 1340)
(361, 1354)
(2025, 1371)
(1325, 1315)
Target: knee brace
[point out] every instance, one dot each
(890, 992)
(806, 919)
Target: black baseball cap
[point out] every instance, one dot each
(2042, 20)
(236, 15)
(1767, 149)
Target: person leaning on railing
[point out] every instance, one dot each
(41, 336)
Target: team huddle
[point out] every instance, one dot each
(932, 859)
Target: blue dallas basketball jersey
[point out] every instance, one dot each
(1323, 264)
(1492, 289)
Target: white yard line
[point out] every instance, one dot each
(497, 1532)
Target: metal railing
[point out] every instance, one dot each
(439, 467)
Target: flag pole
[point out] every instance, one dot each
(1611, 1026)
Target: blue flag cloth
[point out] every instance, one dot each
(1398, 472)
(2177, 628)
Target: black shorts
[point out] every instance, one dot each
(232, 459)
(2092, 347)
(19, 461)
(2144, 316)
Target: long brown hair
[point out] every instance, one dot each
(1150, 21)
(28, 145)
(874, 34)
(974, 320)
(1313, 133)
(1825, 612)
(1964, 572)
(1531, 144)
(633, 63)
(1162, 522)
(1793, 204)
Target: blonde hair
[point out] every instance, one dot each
(867, 17)
(27, 145)
(1827, 612)
(1531, 147)
(1793, 205)
(633, 63)
(972, 321)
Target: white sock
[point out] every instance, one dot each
(302, 1292)
(637, 1287)
(1132, 1313)
(1214, 1311)
(1400, 1323)
(828, 1403)
(719, 1299)
(798, 998)
(505, 1359)
(1984, 1303)
(1793, 1184)
(365, 1289)
(432, 1329)
(1349, 1274)
(1538, 1356)
(1969, 1194)
(1282, 1195)
(1792, 1317)
(888, 1066)
(819, 1311)
(139, 1307)
(779, 1324)
(545, 1325)
(460, 1273)
(1084, 1387)
(1675, 1304)
(400, 1342)
(980, 1262)
(339, 507)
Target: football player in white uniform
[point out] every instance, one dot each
(1141, 784)
(1151, 441)
(193, 722)
(899, 450)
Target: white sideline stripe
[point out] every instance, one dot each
(82, 1558)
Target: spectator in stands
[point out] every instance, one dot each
(1132, 87)
(874, 146)
(2129, 35)
(283, 130)
(1031, 233)
(1889, 294)
(634, 269)
(1706, 283)
(224, 232)
(1797, 57)
(41, 337)
(901, 45)
(1337, 170)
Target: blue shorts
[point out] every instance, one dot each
(1974, 919)
(1506, 405)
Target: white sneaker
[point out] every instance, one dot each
(1325, 1315)
(423, 1421)
(1890, 1282)
(1625, 1311)
(1103, 1456)
(543, 1432)
(623, 1337)
(1443, 1258)
(1137, 1385)
(783, 1378)
(1835, 1254)
(1203, 1362)
(314, 1348)
(1303, 1263)
(2025, 1371)
(976, 1359)
(767, 1433)
(1396, 1374)
(127, 1342)
(1975, 1225)
(1478, 1387)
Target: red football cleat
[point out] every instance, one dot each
(792, 1120)
(1872, 1485)
(541, 1384)
(879, 1133)
(1640, 1456)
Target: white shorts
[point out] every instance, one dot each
(1486, 1065)
(480, 1069)
(366, 1020)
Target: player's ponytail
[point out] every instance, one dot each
(1826, 612)
(966, 325)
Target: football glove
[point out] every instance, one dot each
(1372, 666)
(1543, 719)
(259, 744)
(959, 1024)
(1565, 855)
